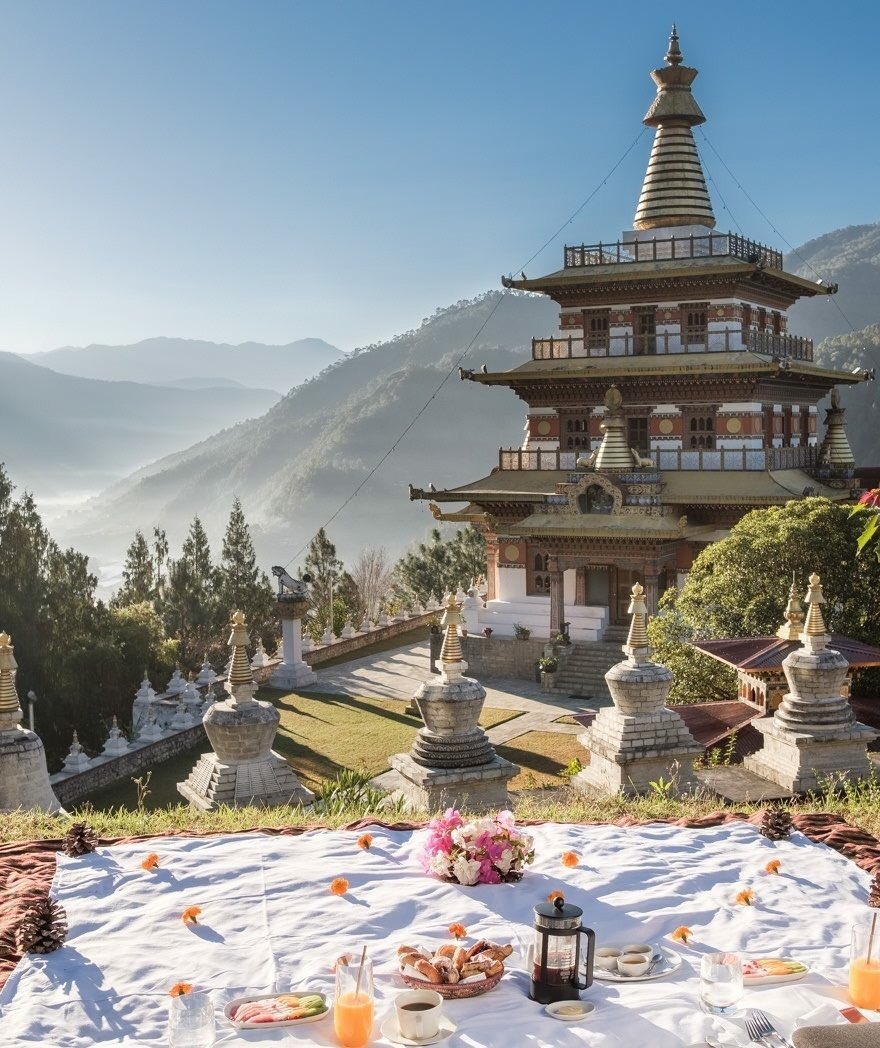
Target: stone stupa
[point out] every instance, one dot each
(814, 734)
(638, 740)
(452, 762)
(242, 770)
(24, 777)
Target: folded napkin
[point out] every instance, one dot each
(858, 1035)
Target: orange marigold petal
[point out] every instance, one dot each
(681, 934)
(772, 866)
(365, 841)
(151, 862)
(746, 898)
(570, 859)
(191, 915)
(179, 989)
(338, 886)
(553, 896)
(458, 930)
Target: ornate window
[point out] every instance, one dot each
(596, 329)
(637, 432)
(538, 574)
(695, 326)
(645, 330)
(595, 500)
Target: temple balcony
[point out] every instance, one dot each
(709, 245)
(690, 340)
(716, 459)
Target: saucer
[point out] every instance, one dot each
(557, 1009)
(391, 1031)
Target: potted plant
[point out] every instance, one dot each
(548, 664)
(487, 632)
(521, 632)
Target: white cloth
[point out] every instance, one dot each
(270, 924)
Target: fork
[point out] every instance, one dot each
(766, 1028)
(755, 1036)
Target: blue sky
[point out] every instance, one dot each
(270, 171)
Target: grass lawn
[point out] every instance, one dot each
(541, 755)
(318, 735)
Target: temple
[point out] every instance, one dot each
(671, 401)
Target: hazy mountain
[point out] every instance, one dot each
(294, 466)
(59, 433)
(849, 257)
(161, 361)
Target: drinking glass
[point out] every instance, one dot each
(721, 982)
(353, 1007)
(191, 1022)
(864, 964)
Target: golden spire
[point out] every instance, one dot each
(10, 707)
(674, 190)
(614, 452)
(638, 627)
(815, 624)
(793, 626)
(451, 651)
(835, 449)
(240, 670)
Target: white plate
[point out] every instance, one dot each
(588, 1010)
(774, 980)
(391, 1031)
(275, 1026)
(671, 963)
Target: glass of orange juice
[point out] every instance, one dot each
(864, 964)
(353, 1007)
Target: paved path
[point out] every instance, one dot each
(396, 674)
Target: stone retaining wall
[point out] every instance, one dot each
(502, 656)
(365, 640)
(71, 788)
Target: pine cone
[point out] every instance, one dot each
(874, 892)
(80, 839)
(776, 823)
(43, 928)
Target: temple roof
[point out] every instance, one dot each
(766, 654)
(620, 525)
(736, 362)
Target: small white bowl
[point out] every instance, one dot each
(633, 964)
(605, 958)
(586, 1010)
(638, 948)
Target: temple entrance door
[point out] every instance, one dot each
(626, 579)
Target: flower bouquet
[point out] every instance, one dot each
(483, 851)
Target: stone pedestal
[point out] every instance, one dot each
(24, 778)
(814, 733)
(639, 740)
(243, 770)
(292, 672)
(479, 789)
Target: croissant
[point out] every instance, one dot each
(448, 949)
(478, 947)
(494, 953)
(428, 971)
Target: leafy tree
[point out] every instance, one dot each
(189, 609)
(329, 577)
(440, 566)
(739, 587)
(372, 576)
(240, 582)
(138, 573)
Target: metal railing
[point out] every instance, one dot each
(707, 245)
(791, 347)
(713, 460)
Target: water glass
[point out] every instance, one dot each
(191, 1022)
(721, 982)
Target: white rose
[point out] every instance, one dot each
(505, 861)
(440, 864)
(466, 871)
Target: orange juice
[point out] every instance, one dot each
(353, 1019)
(864, 983)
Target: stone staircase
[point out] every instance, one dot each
(582, 673)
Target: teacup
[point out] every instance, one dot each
(418, 1013)
(633, 964)
(605, 958)
(639, 948)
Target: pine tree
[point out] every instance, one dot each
(328, 577)
(441, 566)
(189, 609)
(240, 583)
(138, 574)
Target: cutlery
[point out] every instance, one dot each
(656, 958)
(754, 1033)
(766, 1028)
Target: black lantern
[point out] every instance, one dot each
(557, 963)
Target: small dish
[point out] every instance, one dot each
(669, 962)
(391, 1031)
(230, 1009)
(584, 1010)
(605, 958)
